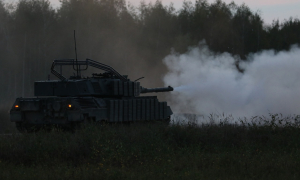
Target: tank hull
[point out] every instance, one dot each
(67, 111)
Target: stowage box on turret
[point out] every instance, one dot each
(108, 97)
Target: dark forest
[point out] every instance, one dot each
(133, 40)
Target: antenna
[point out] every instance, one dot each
(77, 68)
(139, 79)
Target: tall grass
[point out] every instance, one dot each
(147, 151)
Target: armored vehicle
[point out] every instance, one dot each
(103, 97)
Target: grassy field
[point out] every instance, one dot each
(269, 150)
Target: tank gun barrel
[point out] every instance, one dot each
(151, 90)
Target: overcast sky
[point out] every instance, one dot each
(270, 9)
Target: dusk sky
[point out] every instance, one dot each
(270, 9)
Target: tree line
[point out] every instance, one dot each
(133, 40)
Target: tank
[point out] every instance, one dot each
(106, 96)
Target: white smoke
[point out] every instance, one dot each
(207, 83)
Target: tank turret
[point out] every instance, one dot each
(105, 96)
(107, 84)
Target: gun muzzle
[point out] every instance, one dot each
(151, 90)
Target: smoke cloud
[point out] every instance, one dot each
(206, 82)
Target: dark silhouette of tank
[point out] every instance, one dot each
(104, 97)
